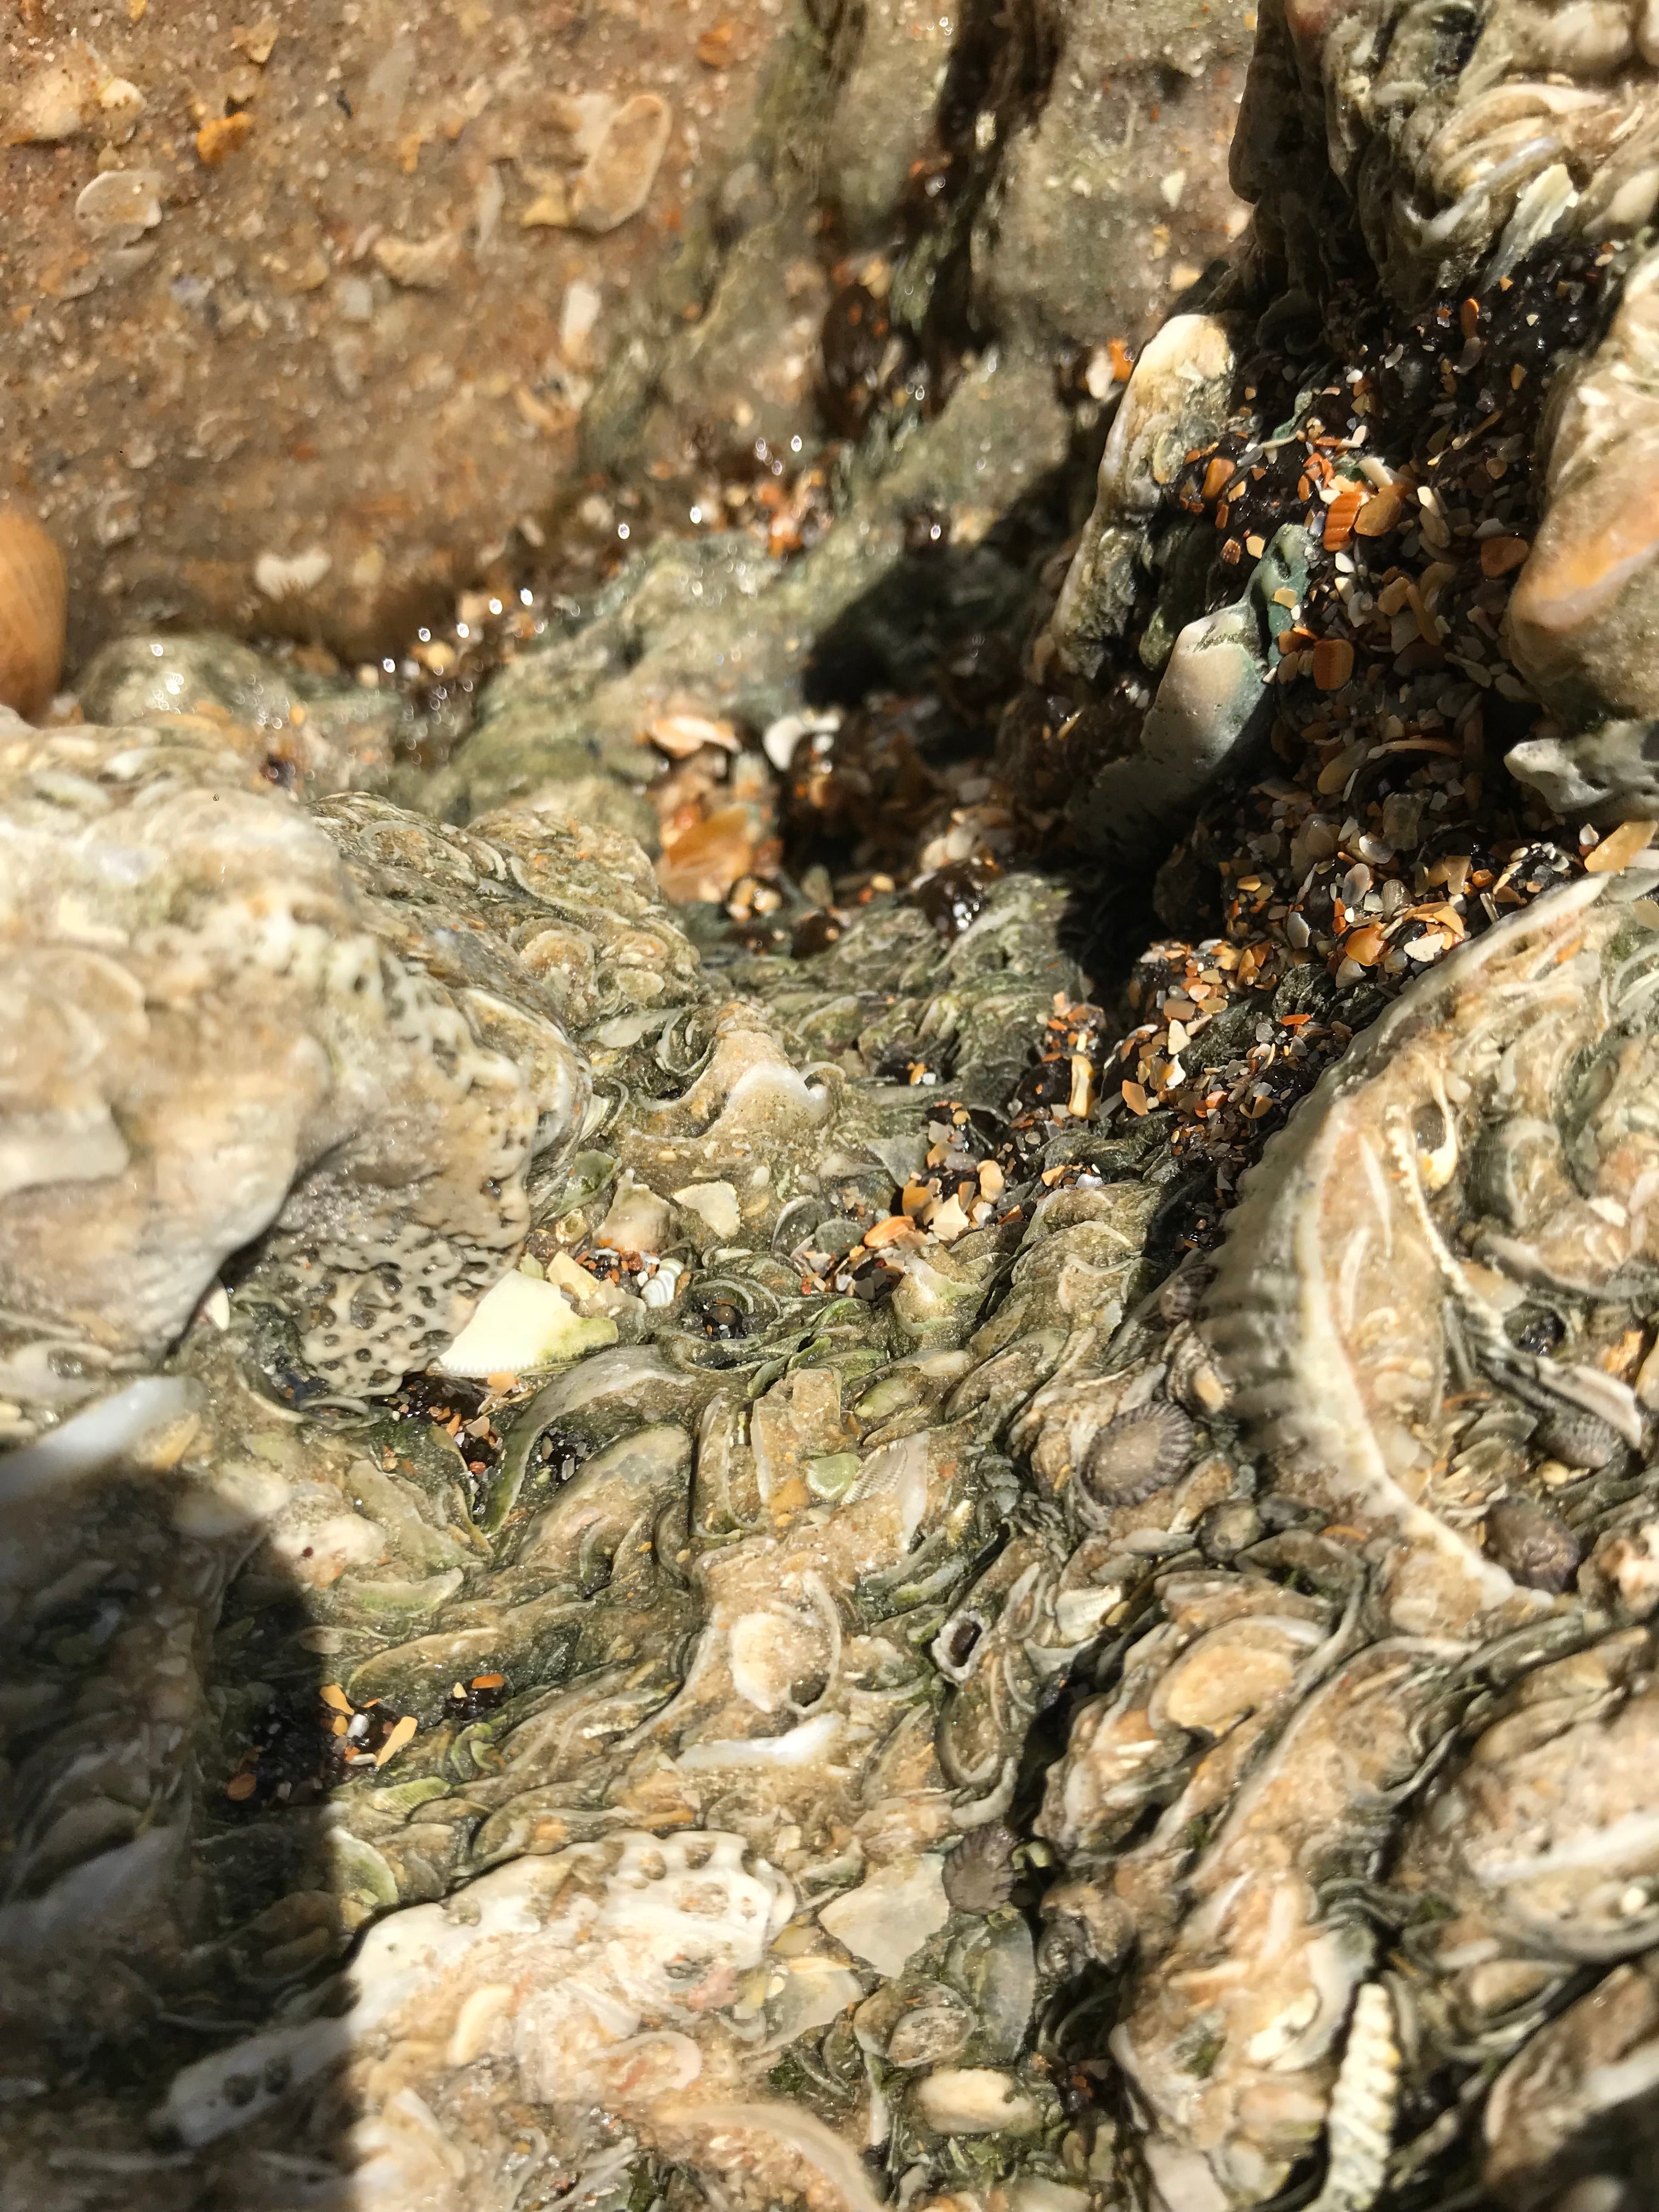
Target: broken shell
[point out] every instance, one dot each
(282, 576)
(34, 614)
(118, 207)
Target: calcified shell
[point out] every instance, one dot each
(1581, 619)
(1339, 1305)
(1454, 141)
(1547, 1844)
(1572, 2118)
(117, 1209)
(34, 614)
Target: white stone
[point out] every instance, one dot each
(715, 1204)
(893, 1914)
(975, 2100)
(521, 1325)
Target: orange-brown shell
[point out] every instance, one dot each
(34, 610)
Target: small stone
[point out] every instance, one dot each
(257, 39)
(714, 46)
(1501, 556)
(1333, 663)
(423, 264)
(549, 211)
(220, 136)
(1381, 514)
(1620, 847)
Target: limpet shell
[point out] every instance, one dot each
(33, 610)
(1137, 1454)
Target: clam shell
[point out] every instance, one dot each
(34, 610)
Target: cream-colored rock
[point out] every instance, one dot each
(207, 1041)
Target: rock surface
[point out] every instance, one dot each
(297, 346)
(948, 1592)
(316, 315)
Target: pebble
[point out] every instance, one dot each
(615, 180)
(423, 264)
(222, 136)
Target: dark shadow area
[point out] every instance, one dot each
(169, 1888)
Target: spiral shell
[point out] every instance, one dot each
(33, 608)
